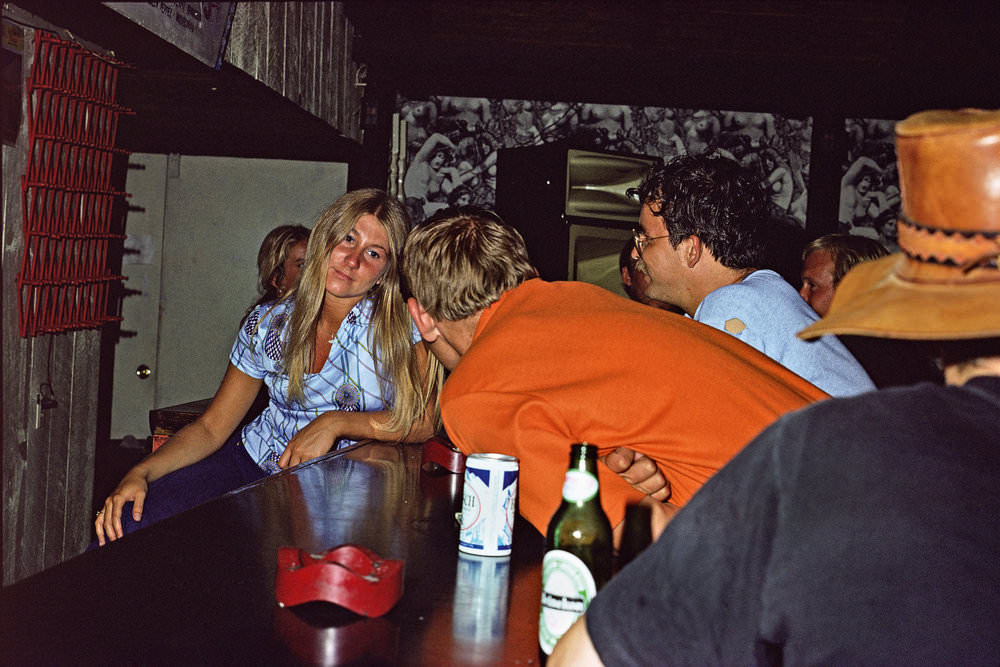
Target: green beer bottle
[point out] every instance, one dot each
(578, 549)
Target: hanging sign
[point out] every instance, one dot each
(198, 28)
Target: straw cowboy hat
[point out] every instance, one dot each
(945, 284)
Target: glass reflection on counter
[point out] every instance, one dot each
(479, 616)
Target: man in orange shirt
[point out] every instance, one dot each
(536, 366)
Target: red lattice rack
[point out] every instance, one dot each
(67, 196)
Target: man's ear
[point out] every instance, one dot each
(426, 325)
(691, 250)
(626, 278)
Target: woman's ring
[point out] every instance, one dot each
(100, 514)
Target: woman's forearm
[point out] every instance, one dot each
(368, 426)
(189, 445)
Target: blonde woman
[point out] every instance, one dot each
(280, 260)
(340, 358)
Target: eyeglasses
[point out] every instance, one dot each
(642, 239)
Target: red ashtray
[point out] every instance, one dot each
(353, 577)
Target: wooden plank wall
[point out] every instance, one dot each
(48, 471)
(304, 51)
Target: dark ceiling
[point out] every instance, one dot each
(868, 58)
(875, 58)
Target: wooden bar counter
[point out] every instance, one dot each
(199, 588)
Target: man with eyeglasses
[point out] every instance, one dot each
(704, 225)
(635, 280)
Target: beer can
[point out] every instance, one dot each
(479, 612)
(488, 504)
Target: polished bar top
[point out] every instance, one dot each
(199, 588)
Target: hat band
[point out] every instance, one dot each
(950, 247)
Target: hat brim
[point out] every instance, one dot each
(872, 300)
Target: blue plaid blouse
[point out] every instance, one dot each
(349, 380)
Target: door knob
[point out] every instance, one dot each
(143, 372)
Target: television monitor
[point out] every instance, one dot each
(593, 255)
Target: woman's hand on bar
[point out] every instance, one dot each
(108, 524)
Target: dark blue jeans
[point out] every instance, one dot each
(227, 469)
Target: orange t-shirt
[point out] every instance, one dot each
(552, 364)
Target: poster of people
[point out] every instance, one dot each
(452, 142)
(869, 185)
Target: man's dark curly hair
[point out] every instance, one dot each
(715, 198)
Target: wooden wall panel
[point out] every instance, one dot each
(350, 95)
(48, 470)
(292, 85)
(81, 442)
(258, 35)
(247, 48)
(15, 362)
(307, 54)
(324, 60)
(274, 75)
(52, 366)
(304, 51)
(335, 74)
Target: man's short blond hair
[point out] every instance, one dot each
(461, 261)
(846, 251)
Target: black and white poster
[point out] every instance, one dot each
(451, 143)
(869, 185)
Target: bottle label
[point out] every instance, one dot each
(579, 486)
(567, 589)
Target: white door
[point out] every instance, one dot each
(214, 213)
(133, 396)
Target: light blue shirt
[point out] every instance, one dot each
(351, 379)
(765, 312)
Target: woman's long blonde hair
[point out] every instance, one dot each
(391, 325)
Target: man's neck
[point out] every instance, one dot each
(714, 277)
(739, 274)
(459, 333)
